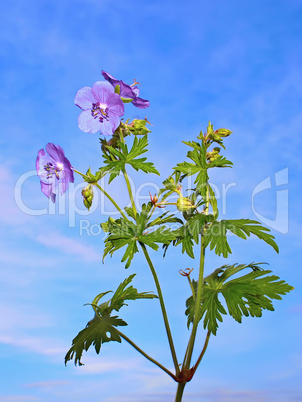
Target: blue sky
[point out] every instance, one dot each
(236, 63)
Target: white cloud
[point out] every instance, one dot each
(67, 245)
(19, 398)
(34, 344)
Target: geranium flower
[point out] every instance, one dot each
(102, 108)
(54, 170)
(127, 91)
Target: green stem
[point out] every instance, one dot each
(198, 296)
(145, 354)
(191, 343)
(191, 286)
(104, 192)
(159, 292)
(163, 308)
(203, 350)
(180, 391)
(130, 192)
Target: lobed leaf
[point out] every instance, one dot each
(216, 234)
(98, 331)
(247, 295)
(102, 328)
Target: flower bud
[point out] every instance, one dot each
(87, 194)
(214, 154)
(138, 127)
(223, 132)
(184, 204)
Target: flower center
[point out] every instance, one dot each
(100, 111)
(52, 169)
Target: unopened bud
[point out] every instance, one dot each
(184, 204)
(223, 132)
(214, 154)
(138, 127)
(87, 194)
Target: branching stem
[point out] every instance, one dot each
(145, 354)
(163, 308)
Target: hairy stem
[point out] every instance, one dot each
(145, 354)
(163, 308)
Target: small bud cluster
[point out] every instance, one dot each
(214, 154)
(87, 194)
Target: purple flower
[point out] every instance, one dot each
(102, 108)
(54, 170)
(127, 91)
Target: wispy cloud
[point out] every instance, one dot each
(34, 344)
(68, 246)
(19, 398)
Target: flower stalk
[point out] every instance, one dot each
(104, 192)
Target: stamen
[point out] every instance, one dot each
(100, 111)
(51, 170)
(134, 83)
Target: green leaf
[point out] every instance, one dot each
(123, 292)
(220, 161)
(163, 218)
(101, 328)
(94, 178)
(124, 232)
(116, 159)
(98, 331)
(171, 185)
(216, 234)
(199, 167)
(139, 147)
(246, 295)
(190, 231)
(244, 227)
(211, 198)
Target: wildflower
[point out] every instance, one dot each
(54, 170)
(102, 108)
(127, 92)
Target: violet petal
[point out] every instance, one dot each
(55, 151)
(141, 103)
(84, 98)
(101, 90)
(87, 123)
(113, 81)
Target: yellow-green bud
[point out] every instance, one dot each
(138, 127)
(223, 132)
(184, 204)
(214, 154)
(87, 194)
